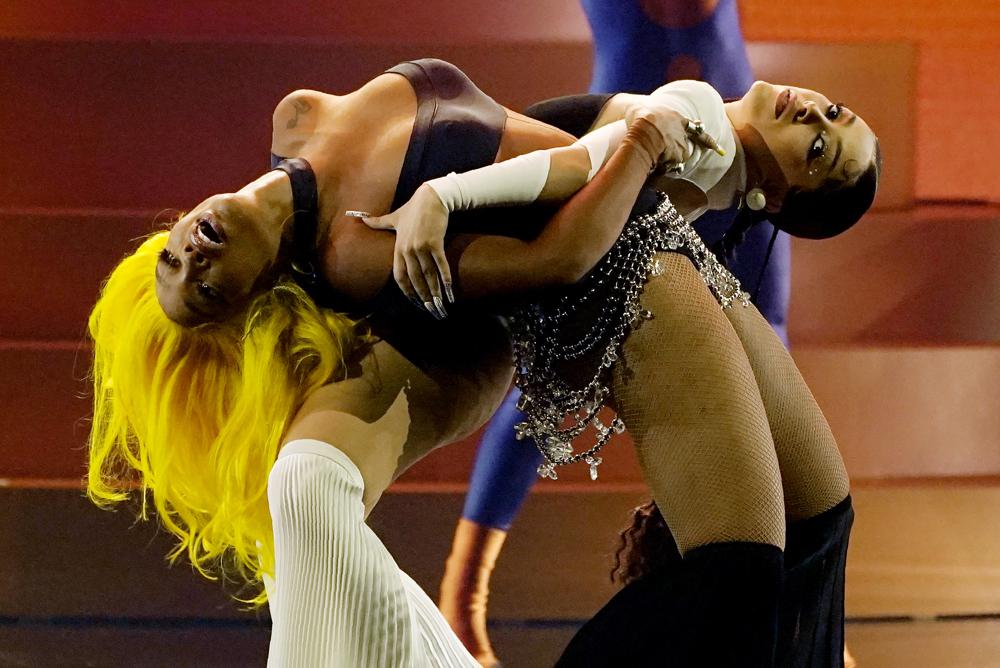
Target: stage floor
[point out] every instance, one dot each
(923, 579)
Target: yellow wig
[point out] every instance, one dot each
(196, 415)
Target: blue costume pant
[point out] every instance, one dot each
(638, 47)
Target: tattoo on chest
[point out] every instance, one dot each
(301, 109)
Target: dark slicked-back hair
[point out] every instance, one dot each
(830, 209)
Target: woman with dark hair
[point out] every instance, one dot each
(638, 46)
(731, 441)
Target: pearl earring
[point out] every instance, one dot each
(756, 200)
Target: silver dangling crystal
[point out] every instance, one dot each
(558, 448)
(548, 470)
(594, 462)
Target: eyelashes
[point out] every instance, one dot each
(816, 149)
(167, 258)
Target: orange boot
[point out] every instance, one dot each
(465, 586)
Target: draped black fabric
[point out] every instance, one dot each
(642, 623)
(811, 616)
(716, 607)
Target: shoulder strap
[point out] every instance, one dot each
(305, 204)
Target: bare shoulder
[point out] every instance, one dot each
(298, 110)
(296, 119)
(304, 113)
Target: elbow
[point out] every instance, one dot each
(569, 268)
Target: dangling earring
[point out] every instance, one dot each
(755, 199)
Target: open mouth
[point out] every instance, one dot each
(209, 232)
(208, 237)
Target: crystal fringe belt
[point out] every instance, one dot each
(545, 336)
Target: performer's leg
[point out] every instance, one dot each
(688, 396)
(504, 471)
(817, 501)
(812, 471)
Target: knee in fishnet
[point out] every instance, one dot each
(813, 475)
(687, 394)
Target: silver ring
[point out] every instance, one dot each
(676, 168)
(695, 128)
(357, 214)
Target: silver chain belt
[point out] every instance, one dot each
(545, 336)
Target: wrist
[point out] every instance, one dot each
(646, 138)
(428, 198)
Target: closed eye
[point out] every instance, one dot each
(210, 294)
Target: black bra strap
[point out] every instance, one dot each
(305, 203)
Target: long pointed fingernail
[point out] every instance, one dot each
(430, 309)
(439, 305)
(448, 291)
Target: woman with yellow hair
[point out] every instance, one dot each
(264, 425)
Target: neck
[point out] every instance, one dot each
(762, 169)
(271, 195)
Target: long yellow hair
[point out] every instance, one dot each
(195, 416)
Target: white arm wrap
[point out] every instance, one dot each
(516, 181)
(601, 144)
(519, 180)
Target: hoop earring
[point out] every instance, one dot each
(755, 199)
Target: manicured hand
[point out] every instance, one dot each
(419, 264)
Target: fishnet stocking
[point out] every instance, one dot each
(813, 476)
(687, 394)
